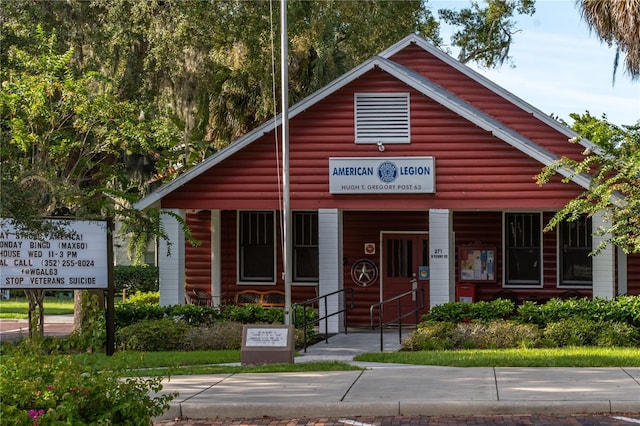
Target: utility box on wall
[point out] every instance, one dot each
(465, 292)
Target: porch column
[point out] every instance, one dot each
(216, 263)
(623, 287)
(441, 257)
(330, 263)
(603, 266)
(171, 267)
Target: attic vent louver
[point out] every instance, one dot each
(382, 117)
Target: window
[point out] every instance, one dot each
(575, 246)
(256, 252)
(305, 247)
(382, 117)
(522, 249)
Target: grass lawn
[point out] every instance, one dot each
(550, 357)
(196, 362)
(227, 362)
(19, 307)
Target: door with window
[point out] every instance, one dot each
(405, 266)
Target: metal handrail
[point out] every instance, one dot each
(311, 302)
(419, 305)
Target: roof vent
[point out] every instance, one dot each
(382, 117)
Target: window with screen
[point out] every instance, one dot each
(523, 250)
(575, 246)
(305, 246)
(256, 239)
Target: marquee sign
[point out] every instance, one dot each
(382, 175)
(74, 259)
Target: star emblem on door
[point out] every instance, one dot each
(364, 272)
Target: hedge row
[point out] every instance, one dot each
(623, 309)
(501, 334)
(136, 278)
(127, 314)
(169, 335)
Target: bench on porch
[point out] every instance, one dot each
(267, 299)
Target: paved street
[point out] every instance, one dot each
(538, 420)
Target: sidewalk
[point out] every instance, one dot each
(392, 389)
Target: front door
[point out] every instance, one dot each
(405, 266)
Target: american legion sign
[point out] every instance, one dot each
(382, 175)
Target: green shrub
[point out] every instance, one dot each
(153, 335)
(299, 314)
(613, 334)
(571, 332)
(479, 311)
(195, 315)
(245, 314)
(127, 314)
(454, 312)
(621, 309)
(135, 278)
(497, 334)
(529, 313)
(222, 335)
(144, 298)
(49, 390)
(624, 309)
(430, 336)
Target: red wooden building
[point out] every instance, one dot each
(410, 170)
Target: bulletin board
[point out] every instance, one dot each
(477, 264)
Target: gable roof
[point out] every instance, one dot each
(417, 82)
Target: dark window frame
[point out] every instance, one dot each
(305, 247)
(256, 240)
(575, 242)
(523, 245)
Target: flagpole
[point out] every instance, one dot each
(284, 72)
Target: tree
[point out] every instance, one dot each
(614, 167)
(616, 22)
(207, 67)
(65, 144)
(486, 33)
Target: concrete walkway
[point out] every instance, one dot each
(392, 389)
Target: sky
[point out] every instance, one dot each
(561, 67)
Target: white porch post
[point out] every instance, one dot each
(623, 287)
(604, 270)
(216, 263)
(171, 267)
(441, 257)
(330, 263)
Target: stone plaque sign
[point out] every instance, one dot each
(267, 344)
(267, 337)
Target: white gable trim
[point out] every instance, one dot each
(476, 116)
(474, 75)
